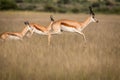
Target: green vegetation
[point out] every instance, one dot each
(62, 6)
(7, 4)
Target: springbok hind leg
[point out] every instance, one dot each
(82, 35)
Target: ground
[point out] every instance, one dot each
(68, 57)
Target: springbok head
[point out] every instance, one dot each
(28, 25)
(92, 15)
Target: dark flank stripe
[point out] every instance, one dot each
(12, 34)
(38, 28)
(65, 24)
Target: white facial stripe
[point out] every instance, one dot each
(94, 19)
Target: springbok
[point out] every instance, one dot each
(39, 29)
(73, 26)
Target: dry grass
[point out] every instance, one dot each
(68, 58)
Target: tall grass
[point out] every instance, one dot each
(68, 57)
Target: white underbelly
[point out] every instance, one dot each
(40, 32)
(14, 37)
(70, 29)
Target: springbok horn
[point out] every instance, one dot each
(91, 11)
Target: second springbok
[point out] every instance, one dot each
(73, 26)
(39, 29)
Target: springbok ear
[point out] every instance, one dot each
(91, 11)
(51, 17)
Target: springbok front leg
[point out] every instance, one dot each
(49, 38)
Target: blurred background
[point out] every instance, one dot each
(68, 57)
(62, 6)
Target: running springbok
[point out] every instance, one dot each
(39, 29)
(73, 26)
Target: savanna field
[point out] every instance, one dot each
(68, 57)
